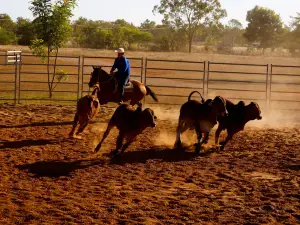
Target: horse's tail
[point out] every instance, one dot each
(202, 99)
(151, 93)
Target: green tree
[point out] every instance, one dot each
(148, 25)
(7, 23)
(189, 15)
(264, 26)
(7, 37)
(292, 37)
(52, 26)
(232, 34)
(24, 31)
(134, 35)
(7, 30)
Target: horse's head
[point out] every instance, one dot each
(97, 76)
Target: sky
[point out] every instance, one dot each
(137, 11)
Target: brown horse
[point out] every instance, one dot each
(109, 88)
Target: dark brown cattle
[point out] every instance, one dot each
(130, 123)
(87, 107)
(199, 116)
(235, 121)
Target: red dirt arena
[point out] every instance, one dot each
(47, 178)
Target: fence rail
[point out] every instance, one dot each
(273, 86)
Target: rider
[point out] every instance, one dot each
(122, 75)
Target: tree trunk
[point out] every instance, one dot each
(190, 44)
(54, 70)
(48, 72)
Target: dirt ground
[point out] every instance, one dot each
(47, 178)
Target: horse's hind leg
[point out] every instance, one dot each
(75, 123)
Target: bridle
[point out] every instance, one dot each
(105, 82)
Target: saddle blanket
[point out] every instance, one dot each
(128, 87)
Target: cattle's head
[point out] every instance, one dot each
(148, 118)
(253, 111)
(219, 106)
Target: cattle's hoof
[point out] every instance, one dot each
(97, 149)
(178, 145)
(197, 149)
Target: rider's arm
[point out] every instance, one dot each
(114, 66)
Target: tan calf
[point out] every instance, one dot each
(87, 107)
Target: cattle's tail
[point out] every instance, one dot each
(202, 99)
(151, 93)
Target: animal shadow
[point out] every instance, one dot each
(57, 169)
(164, 155)
(38, 124)
(25, 143)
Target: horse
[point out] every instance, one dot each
(109, 88)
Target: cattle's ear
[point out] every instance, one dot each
(241, 104)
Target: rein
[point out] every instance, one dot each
(105, 82)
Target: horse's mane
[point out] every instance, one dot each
(99, 69)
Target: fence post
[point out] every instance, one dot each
(207, 81)
(82, 75)
(204, 71)
(267, 80)
(142, 68)
(16, 79)
(145, 82)
(78, 79)
(271, 80)
(19, 77)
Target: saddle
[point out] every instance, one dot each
(128, 87)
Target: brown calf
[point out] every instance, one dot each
(235, 121)
(130, 123)
(201, 117)
(87, 107)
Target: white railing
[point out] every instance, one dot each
(13, 57)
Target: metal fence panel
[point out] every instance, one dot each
(248, 82)
(285, 87)
(173, 80)
(36, 79)
(8, 80)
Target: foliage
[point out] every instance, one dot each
(7, 37)
(24, 31)
(264, 26)
(189, 15)
(53, 29)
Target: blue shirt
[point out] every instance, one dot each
(123, 66)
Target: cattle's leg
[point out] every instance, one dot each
(180, 129)
(119, 143)
(82, 127)
(109, 127)
(199, 136)
(228, 138)
(217, 135)
(205, 139)
(125, 146)
(76, 120)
